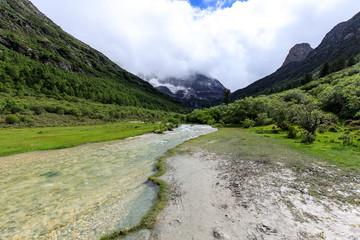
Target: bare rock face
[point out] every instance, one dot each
(298, 53)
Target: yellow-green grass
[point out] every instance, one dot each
(20, 140)
(328, 145)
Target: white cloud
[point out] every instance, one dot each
(237, 45)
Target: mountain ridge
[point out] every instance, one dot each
(343, 41)
(196, 90)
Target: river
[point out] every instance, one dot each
(86, 191)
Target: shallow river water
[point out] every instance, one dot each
(83, 192)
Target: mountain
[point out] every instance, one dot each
(38, 58)
(195, 91)
(342, 42)
(298, 53)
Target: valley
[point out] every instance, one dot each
(89, 150)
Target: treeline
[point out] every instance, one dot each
(318, 105)
(22, 76)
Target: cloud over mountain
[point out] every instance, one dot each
(237, 44)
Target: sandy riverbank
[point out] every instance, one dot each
(214, 198)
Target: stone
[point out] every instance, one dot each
(298, 53)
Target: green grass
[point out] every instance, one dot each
(328, 146)
(13, 141)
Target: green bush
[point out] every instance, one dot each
(292, 132)
(263, 119)
(248, 123)
(310, 118)
(11, 119)
(14, 107)
(347, 140)
(27, 120)
(307, 137)
(37, 109)
(174, 122)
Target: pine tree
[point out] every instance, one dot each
(325, 70)
(351, 61)
(307, 78)
(226, 94)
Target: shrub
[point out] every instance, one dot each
(27, 120)
(14, 107)
(174, 122)
(11, 119)
(292, 132)
(274, 130)
(210, 122)
(263, 119)
(355, 123)
(38, 109)
(295, 95)
(307, 137)
(248, 123)
(347, 140)
(60, 110)
(284, 125)
(75, 112)
(310, 118)
(333, 128)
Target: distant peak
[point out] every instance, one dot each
(298, 53)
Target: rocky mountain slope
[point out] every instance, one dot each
(298, 53)
(343, 41)
(37, 57)
(195, 91)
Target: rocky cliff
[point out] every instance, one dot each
(298, 53)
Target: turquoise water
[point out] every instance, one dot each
(83, 192)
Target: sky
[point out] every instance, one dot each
(236, 42)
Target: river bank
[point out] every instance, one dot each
(234, 184)
(86, 191)
(21, 140)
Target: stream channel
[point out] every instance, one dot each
(86, 191)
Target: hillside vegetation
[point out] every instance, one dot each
(40, 63)
(329, 103)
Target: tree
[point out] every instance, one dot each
(338, 65)
(226, 94)
(309, 118)
(325, 70)
(307, 78)
(351, 61)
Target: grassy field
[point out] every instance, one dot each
(335, 148)
(20, 140)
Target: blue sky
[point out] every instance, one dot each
(203, 4)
